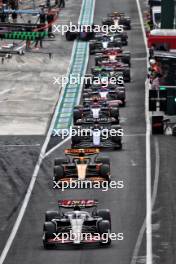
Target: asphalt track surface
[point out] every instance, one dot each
(127, 205)
(164, 217)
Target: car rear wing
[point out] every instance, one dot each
(80, 203)
(77, 152)
(115, 13)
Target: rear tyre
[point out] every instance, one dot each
(104, 229)
(117, 139)
(60, 161)
(58, 173)
(114, 112)
(75, 138)
(103, 159)
(70, 36)
(50, 215)
(49, 229)
(105, 171)
(105, 214)
(76, 115)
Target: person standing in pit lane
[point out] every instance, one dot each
(28, 42)
(13, 4)
(48, 3)
(56, 3)
(50, 18)
(151, 51)
(62, 4)
(42, 19)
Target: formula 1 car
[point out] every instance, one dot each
(97, 136)
(107, 94)
(109, 67)
(105, 61)
(79, 166)
(96, 111)
(115, 53)
(108, 61)
(96, 46)
(84, 36)
(77, 226)
(95, 87)
(118, 19)
(113, 36)
(124, 57)
(107, 103)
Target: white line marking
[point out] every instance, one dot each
(6, 91)
(32, 184)
(148, 156)
(56, 147)
(18, 145)
(154, 195)
(135, 135)
(157, 166)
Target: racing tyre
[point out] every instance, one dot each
(70, 36)
(174, 130)
(119, 146)
(114, 112)
(60, 161)
(104, 228)
(50, 215)
(123, 103)
(58, 173)
(76, 115)
(129, 78)
(49, 229)
(103, 159)
(91, 49)
(105, 214)
(127, 60)
(85, 95)
(97, 61)
(117, 138)
(78, 107)
(75, 138)
(105, 171)
(129, 26)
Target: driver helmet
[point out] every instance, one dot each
(77, 208)
(152, 61)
